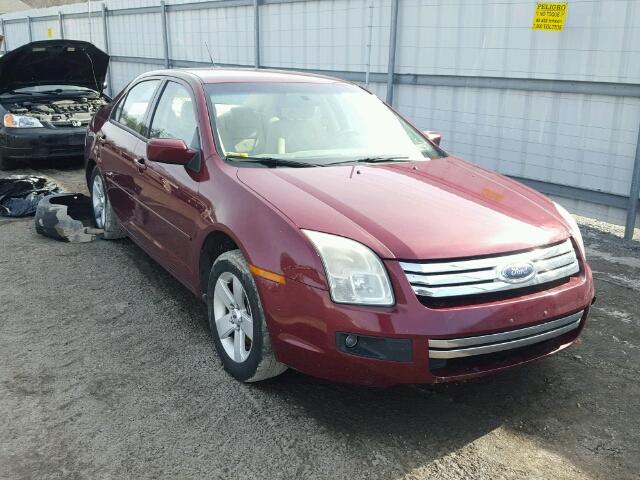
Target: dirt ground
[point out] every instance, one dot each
(107, 372)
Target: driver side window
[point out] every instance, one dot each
(132, 110)
(175, 116)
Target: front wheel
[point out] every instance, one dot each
(103, 215)
(237, 321)
(4, 163)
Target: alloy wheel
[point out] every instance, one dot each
(98, 200)
(232, 315)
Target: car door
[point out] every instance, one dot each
(121, 139)
(170, 192)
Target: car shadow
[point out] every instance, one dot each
(425, 423)
(70, 163)
(414, 425)
(473, 407)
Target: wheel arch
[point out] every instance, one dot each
(216, 242)
(88, 170)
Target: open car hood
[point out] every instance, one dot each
(54, 62)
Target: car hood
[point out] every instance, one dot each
(54, 62)
(443, 208)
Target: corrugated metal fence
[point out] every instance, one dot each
(559, 110)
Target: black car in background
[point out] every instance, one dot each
(49, 91)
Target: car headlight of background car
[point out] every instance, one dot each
(573, 225)
(21, 121)
(355, 274)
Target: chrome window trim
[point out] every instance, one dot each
(497, 342)
(476, 276)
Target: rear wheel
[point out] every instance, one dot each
(103, 215)
(237, 321)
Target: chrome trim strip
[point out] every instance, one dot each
(498, 342)
(449, 278)
(478, 276)
(562, 272)
(495, 286)
(502, 336)
(556, 262)
(489, 262)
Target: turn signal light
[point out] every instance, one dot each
(8, 120)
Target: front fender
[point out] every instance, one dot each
(267, 238)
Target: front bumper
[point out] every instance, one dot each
(306, 328)
(36, 143)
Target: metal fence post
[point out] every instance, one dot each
(256, 32)
(105, 28)
(369, 46)
(29, 29)
(634, 192)
(392, 50)
(165, 34)
(4, 36)
(89, 16)
(61, 23)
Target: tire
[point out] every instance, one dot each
(106, 218)
(4, 163)
(230, 332)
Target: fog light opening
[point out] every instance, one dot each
(351, 341)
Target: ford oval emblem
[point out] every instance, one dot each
(517, 272)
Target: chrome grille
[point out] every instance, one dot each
(484, 275)
(497, 342)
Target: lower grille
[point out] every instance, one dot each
(497, 342)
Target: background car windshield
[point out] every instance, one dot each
(311, 122)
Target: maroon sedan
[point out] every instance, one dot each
(329, 235)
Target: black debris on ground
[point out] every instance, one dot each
(20, 194)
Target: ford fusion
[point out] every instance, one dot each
(327, 234)
(49, 91)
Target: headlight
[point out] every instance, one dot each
(355, 274)
(573, 225)
(20, 121)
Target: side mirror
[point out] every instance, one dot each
(169, 150)
(435, 137)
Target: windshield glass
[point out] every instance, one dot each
(314, 123)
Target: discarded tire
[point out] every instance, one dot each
(66, 217)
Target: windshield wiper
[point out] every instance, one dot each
(271, 161)
(376, 159)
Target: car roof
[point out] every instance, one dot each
(248, 75)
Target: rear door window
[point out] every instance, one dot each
(133, 110)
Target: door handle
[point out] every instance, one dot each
(141, 164)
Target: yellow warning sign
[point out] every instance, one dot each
(50, 32)
(550, 16)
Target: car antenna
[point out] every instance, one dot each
(213, 64)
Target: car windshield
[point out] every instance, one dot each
(314, 124)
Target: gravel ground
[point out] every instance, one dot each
(106, 371)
